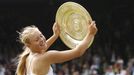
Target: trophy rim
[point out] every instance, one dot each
(64, 36)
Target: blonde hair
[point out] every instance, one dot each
(24, 37)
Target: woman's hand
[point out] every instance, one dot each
(92, 28)
(56, 32)
(56, 29)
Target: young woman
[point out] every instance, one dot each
(36, 60)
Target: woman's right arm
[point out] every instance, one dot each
(79, 50)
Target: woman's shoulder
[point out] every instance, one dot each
(43, 57)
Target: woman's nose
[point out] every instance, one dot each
(41, 39)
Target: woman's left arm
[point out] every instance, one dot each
(56, 32)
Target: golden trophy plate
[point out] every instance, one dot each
(73, 20)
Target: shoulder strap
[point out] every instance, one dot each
(29, 66)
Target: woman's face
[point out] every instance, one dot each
(37, 41)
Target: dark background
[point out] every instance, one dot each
(114, 19)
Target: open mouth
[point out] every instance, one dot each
(42, 44)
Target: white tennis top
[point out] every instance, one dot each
(50, 72)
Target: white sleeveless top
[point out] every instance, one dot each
(50, 72)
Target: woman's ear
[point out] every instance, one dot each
(28, 45)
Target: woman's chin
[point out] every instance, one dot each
(44, 47)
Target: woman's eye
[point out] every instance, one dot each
(41, 35)
(37, 39)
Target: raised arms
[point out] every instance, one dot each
(79, 50)
(56, 32)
